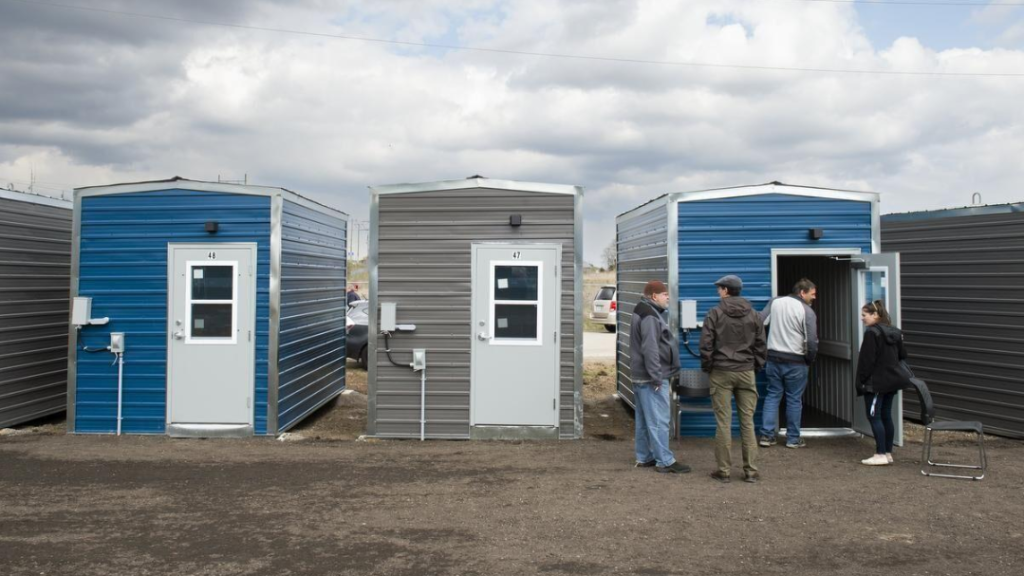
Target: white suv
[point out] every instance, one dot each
(604, 307)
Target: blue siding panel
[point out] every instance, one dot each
(736, 236)
(311, 358)
(123, 267)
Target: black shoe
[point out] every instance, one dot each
(723, 478)
(674, 468)
(649, 464)
(752, 478)
(798, 444)
(766, 441)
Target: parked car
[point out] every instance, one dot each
(356, 327)
(604, 308)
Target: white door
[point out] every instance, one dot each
(211, 319)
(876, 277)
(516, 302)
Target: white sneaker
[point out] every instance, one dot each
(888, 456)
(876, 460)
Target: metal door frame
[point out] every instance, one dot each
(851, 253)
(516, 431)
(857, 279)
(210, 430)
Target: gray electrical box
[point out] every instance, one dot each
(117, 342)
(688, 315)
(81, 311)
(419, 359)
(388, 316)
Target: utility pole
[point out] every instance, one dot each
(356, 229)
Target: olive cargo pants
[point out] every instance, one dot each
(742, 385)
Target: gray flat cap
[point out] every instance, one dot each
(730, 281)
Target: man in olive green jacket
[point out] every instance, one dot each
(732, 349)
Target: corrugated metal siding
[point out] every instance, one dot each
(311, 358)
(424, 265)
(35, 268)
(963, 313)
(123, 267)
(642, 255)
(736, 236)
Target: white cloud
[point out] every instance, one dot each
(329, 117)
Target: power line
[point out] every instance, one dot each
(913, 3)
(527, 52)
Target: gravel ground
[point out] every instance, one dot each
(88, 505)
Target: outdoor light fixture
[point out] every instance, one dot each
(515, 220)
(212, 226)
(816, 233)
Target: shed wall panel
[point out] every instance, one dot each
(311, 358)
(35, 268)
(123, 267)
(962, 281)
(642, 255)
(423, 255)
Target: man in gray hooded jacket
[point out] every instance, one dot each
(654, 361)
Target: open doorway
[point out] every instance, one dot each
(829, 399)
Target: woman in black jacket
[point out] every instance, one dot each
(880, 377)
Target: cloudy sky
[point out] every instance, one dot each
(141, 89)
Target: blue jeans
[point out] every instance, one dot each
(653, 414)
(881, 423)
(791, 379)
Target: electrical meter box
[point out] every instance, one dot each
(388, 316)
(81, 311)
(688, 315)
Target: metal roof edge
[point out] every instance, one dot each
(958, 212)
(474, 183)
(207, 186)
(32, 198)
(766, 188)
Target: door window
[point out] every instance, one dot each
(211, 302)
(515, 302)
(874, 284)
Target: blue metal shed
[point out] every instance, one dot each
(771, 235)
(204, 309)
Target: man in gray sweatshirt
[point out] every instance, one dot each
(792, 347)
(653, 362)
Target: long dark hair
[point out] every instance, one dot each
(878, 307)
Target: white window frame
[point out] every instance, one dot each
(214, 340)
(862, 276)
(539, 340)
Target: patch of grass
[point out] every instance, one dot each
(598, 378)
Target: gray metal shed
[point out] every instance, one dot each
(483, 278)
(963, 310)
(35, 264)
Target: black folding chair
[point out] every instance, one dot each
(931, 426)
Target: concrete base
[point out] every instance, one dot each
(209, 430)
(513, 433)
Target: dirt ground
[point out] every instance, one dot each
(92, 505)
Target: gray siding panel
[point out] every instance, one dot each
(423, 255)
(311, 360)
(35, 269)
(642, 244)
(962, 281)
